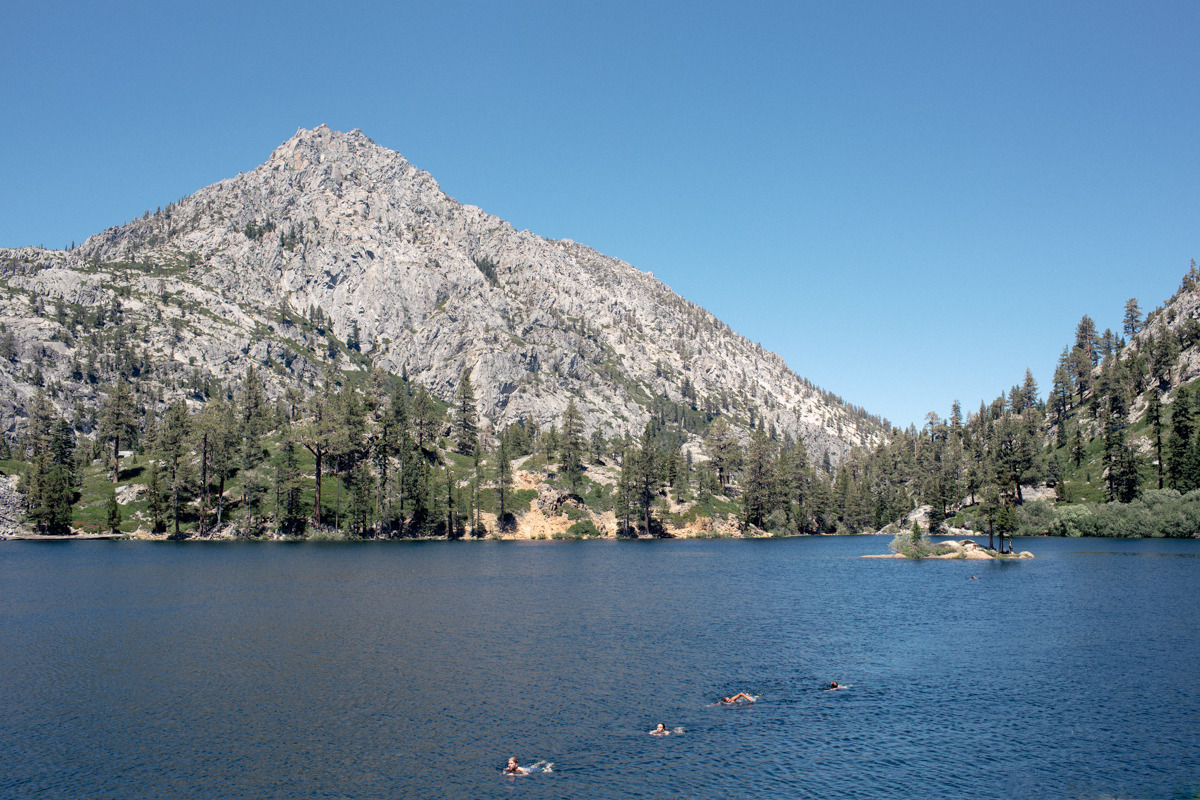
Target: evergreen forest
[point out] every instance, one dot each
(1112, 448)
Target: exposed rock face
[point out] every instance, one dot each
(224, 278)
(12, 509)
(1181, 314)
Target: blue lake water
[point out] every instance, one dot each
(397, 670)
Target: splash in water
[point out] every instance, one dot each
(536, 768)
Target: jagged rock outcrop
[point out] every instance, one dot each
(335, 240)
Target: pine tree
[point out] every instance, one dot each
(681, 484)
(572, 446)
(253, 418)
(349, 446)
(426, 419)
(1121, 473)
(646, 476)
(1081, 371)
(361, 506)
(215, 441)
(61, 449)
(796, 479)
(1085, 339)
(154, 499)
(503, 481)
(1014, 453)
(384, 449)
(477, 529)
(723, 449)
(173, 454)
(1183, 444)
(757, 474)
(48, 482)
(550, 443)
(466, 419)
(1133, 317)
(118, 420)
(406, 453)
(1154, 418)
(8, 347)
(1029, 390)
(112, 513)
(319, 434)
(1063, 388)
(597, 446)
(623, 501)
(289, 515)
(956, 419)
(1164, 353)
(452, 527)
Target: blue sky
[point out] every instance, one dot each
(910, 202)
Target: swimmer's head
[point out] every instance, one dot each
(833, 685)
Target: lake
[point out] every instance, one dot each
(413, 670)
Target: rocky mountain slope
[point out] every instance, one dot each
(337, 249)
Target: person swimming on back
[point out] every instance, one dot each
(661, 730)
(740, 697)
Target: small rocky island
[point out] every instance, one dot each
(964, 549)
(912, 544)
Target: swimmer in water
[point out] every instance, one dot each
(740, 697)
(834, 686)
(661, 730)
(973, 578)
(514, 768)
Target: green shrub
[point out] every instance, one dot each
(1074, 520)
(1035, 518)
(911, 544)
(778, 524)
(584, 529)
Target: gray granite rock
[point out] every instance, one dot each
(336, 222)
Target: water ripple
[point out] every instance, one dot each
(253, 671)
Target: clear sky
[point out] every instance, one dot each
(910, 202)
